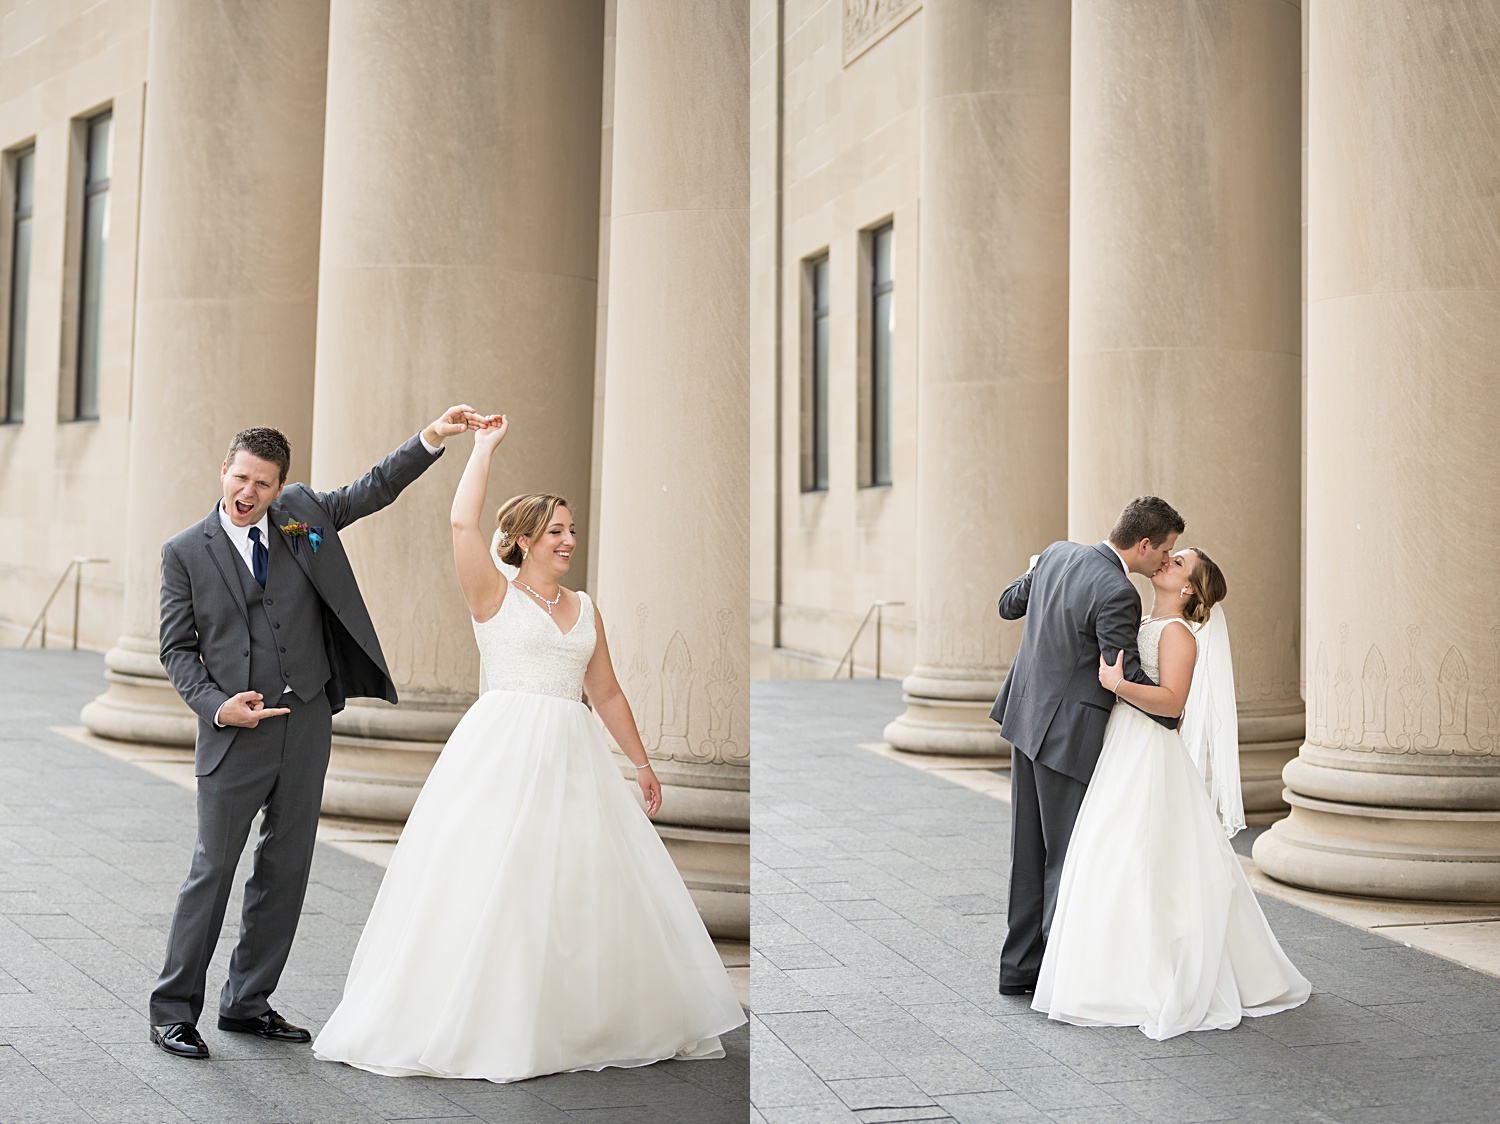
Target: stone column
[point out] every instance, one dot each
(674, 549)
(458, 265)
(992, 350)
(226, 298)
(1396, 790)
(1185, 370)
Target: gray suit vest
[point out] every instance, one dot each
(286, 627)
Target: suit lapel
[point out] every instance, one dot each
(1112, 558)
(225, 558)
(280, 517)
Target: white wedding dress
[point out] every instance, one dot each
(531, 920)
(1156, 925)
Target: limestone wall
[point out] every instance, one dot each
(843, 159)
(61, 483)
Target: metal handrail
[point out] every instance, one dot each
(75, 568)
(876, 607)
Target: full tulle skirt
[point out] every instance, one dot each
(1156, 925)
(531, 920)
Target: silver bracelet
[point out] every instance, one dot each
(1118, 684)
(647, 765)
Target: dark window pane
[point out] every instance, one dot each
(91, 282)
(820, 402)
(881, 252)
(20, 277)
(817, 433)
(882, 286)
(100, 132)
(880, 391)
(25, 189)
(90, 304)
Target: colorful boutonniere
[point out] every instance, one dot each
(296, 531)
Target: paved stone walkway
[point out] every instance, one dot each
(878, 914)
(92, 852)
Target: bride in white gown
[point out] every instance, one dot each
(531, 920)
(1156, 925)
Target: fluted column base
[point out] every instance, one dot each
(948, 712)
(1388, 825)
(705, 824)
(381, 755)
(1270, 736)
(140, 704)
(715, 867)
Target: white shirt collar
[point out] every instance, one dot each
(240, 536)
(1118, 555)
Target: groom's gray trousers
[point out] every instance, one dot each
(278, 766)
(1043, 807)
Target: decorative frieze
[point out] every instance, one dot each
(866, 22)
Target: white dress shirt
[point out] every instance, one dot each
(240, 536)
(1118, 555)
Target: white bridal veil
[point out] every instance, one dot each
(1210, 727)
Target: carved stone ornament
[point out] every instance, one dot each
(1456, 714)
(866, 22)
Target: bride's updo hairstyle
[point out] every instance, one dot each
(1208, 588)
(526, 515)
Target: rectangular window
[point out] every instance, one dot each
(877, 468)
(815, 380)
(23, 168)
(91, 266)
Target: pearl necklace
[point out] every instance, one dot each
(550, 604)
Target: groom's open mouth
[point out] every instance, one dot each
(243, 508)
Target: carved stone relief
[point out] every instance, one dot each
(723, 691)
(965, 638)
(1450, 715)
(668, 698)
(1492, 699)
(866, 22)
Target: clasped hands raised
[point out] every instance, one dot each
(488, 428)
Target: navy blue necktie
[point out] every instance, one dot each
(257, 557)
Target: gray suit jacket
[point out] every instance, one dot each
(1078, 604)
(205, 631)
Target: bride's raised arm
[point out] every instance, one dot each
(478, 576)
(1176, 655)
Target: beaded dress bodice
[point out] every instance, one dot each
(522, 649)
(1148, 642)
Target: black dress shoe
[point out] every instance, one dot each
(181, 1040)
(269, 1025)
(1017, 989)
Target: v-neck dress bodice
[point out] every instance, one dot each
(521, 648)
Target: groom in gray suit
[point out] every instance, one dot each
(1079, 604)
(264, 634)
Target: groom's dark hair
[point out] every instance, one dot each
(266, 443)
(1146, 517)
